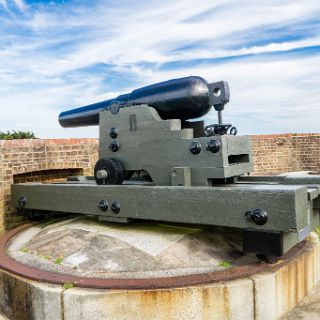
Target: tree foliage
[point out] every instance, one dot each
(11, 135)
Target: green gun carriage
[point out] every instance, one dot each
(157, 163)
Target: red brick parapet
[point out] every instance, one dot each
(39, 160)
(50, 159)
(278, 153)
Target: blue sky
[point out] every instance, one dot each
(56, 55)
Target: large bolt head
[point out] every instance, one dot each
(214, 146)
(258, 216)
(115, 207)
(114, 108)
(22, 202)
(195, 147)
(113, 132)
(209, 131)
(114, 146)
(103, 205)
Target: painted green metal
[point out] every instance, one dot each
(146, 142)
(289, 207)
(192, 177)
(286, 205)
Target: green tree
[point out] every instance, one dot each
(8, 135)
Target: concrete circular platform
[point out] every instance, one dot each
(138, 255)
(87, 248)
(145, 270)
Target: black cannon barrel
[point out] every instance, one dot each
(184, 98)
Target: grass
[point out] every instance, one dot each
(24, 250)
(46, 257)
(225, 264)
(58, 260)
(68, 285)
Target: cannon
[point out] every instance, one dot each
(157, 161)
(132, 124)
(185, 98)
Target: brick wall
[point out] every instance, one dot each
(54, 159)
(279, 153)
(40, 160)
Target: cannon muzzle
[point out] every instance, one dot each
(184, 98)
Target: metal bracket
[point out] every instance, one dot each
(219, 94)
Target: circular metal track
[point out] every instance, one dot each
(19, 269)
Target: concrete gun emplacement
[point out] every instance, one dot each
(157, 163)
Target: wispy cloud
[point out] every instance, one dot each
(55, 55)
(20, 4)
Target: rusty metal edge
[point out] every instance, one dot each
(21, 270)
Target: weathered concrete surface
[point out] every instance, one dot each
(229, 300)
(88, 248)
(262, 296)
(279, 292)
(46, 301)
(21, 299)
(309, 308)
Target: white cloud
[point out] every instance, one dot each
(20, 4)
(149, 35)
(44, 50)
(3, 3)
(268, 91)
